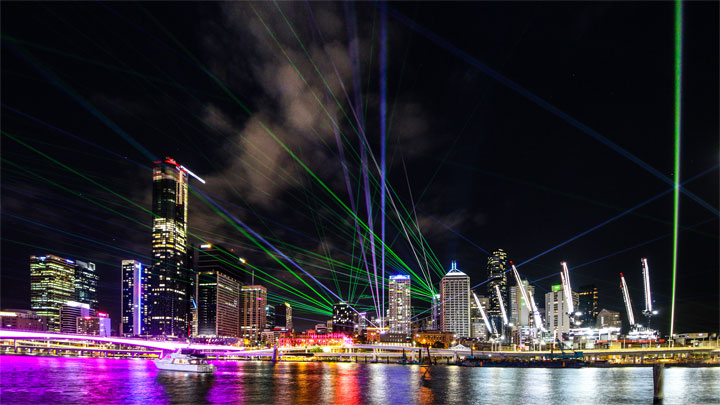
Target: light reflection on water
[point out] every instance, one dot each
(27, 379)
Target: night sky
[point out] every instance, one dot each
(92, 93)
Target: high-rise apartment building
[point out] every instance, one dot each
(51, 286)
(283, 316)
(455, 302)
(520, 314)
(587, 305)
(134, 299)
(400, 309)
(217, 293)
(556, 310)
(252, 311)
(496, 270)
(169, 290)
(343, 320)
(86, 283)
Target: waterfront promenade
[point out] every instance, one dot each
(49, 344)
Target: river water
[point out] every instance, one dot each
(28, 379)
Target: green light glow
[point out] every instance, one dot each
(678, 109)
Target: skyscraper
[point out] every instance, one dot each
(587, 305)
(270, 317)
(51, 286)
(343, 320)
(520, 314)
(134, 298)
(217, 293)
(252, 313)
(455, 302)
(170, 280)
(86, 281)
(400, 310)
(556, 310)
(497, 276)
(283, 316)
(218, 304)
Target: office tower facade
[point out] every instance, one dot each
(86, 283)
(51, 286)
(169, 289)
(22, 319)
(217, 293)
(400, 309)
(343, 320)
(270, 317)
(587, 305)
(435, 313)
(94, 325)
(134, 298)
(283, 316)
(455, 302)
(218, 304)
(70, 312)
(252, 311)
(520, 314)
(556, 307)
(362, 323)
(608, 319)
(478, 329)
(496, 270)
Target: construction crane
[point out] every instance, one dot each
(489, 327)
(626, 297)
(648, 311)
(567, 291)
(529, 300)
(502, 304)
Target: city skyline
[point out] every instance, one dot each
(291, 166)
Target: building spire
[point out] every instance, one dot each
(453, 265)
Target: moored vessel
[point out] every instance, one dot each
(185, 360)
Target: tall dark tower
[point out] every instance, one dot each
(496, 267)
(170, 279)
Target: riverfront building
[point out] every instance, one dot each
(608, 319)
(217, 293)
(520, 314)
(283, 316)
(51, 286)
(252, 311)
(478, 329)
(134, 299)
(343, 320)
(85, 283)
(588, 305)
(70, 312)
(94, 325)
(170, 280)
(400, 310)
(497, 276)
(22, 319)
(556, 310)
(455, 302)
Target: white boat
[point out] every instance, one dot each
(185, 360)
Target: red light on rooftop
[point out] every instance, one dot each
(102, 314)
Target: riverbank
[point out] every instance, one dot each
(150, 356)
